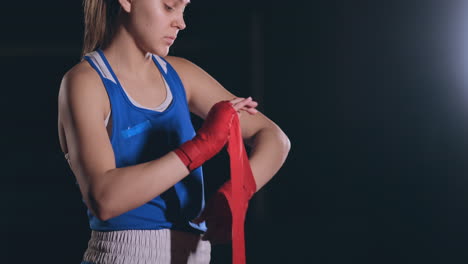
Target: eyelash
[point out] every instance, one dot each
(169, 8)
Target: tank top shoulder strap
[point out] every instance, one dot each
(162, 63)
(170, 74)
(96, 60)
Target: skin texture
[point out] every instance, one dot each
(83, 106)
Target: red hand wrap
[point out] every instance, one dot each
(210, 138)
(237, 192)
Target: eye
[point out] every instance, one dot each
(168, 8)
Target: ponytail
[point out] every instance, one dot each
(99, 23)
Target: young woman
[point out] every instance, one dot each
(124, 127)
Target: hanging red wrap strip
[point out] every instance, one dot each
(242, 188)
(236, 192)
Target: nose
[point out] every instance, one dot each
(179, 22)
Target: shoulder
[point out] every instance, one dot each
(81, 74)
(81, 84)
(179, 62)
(183, 67)
(192, 75)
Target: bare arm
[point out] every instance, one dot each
(107, 191)
(270, 145)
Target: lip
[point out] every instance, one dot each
(170, 39)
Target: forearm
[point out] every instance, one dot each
(122, 189)
(119, 190)
(270, 148)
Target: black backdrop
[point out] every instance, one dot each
(372, 95)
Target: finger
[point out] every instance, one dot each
(236, 100)
(242, 103)
(249, 106)
(251, 103)
(251, 111)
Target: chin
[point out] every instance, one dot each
(160, 51)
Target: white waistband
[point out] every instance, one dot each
(147, 246)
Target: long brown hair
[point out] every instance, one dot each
(99, 23)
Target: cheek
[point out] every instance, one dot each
(145, 25)
(152, 22)
(149, 24)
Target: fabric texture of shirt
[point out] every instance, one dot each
(140, 135)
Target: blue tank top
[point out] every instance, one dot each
(140, 135)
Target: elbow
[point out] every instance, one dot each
(285, 143)
(104, 216)
(100, 207)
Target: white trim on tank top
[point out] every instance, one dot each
(163, 106)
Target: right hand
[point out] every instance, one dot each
(214, 133)
(245, 104)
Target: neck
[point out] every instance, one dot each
(126, 56)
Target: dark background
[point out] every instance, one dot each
(372, 95)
